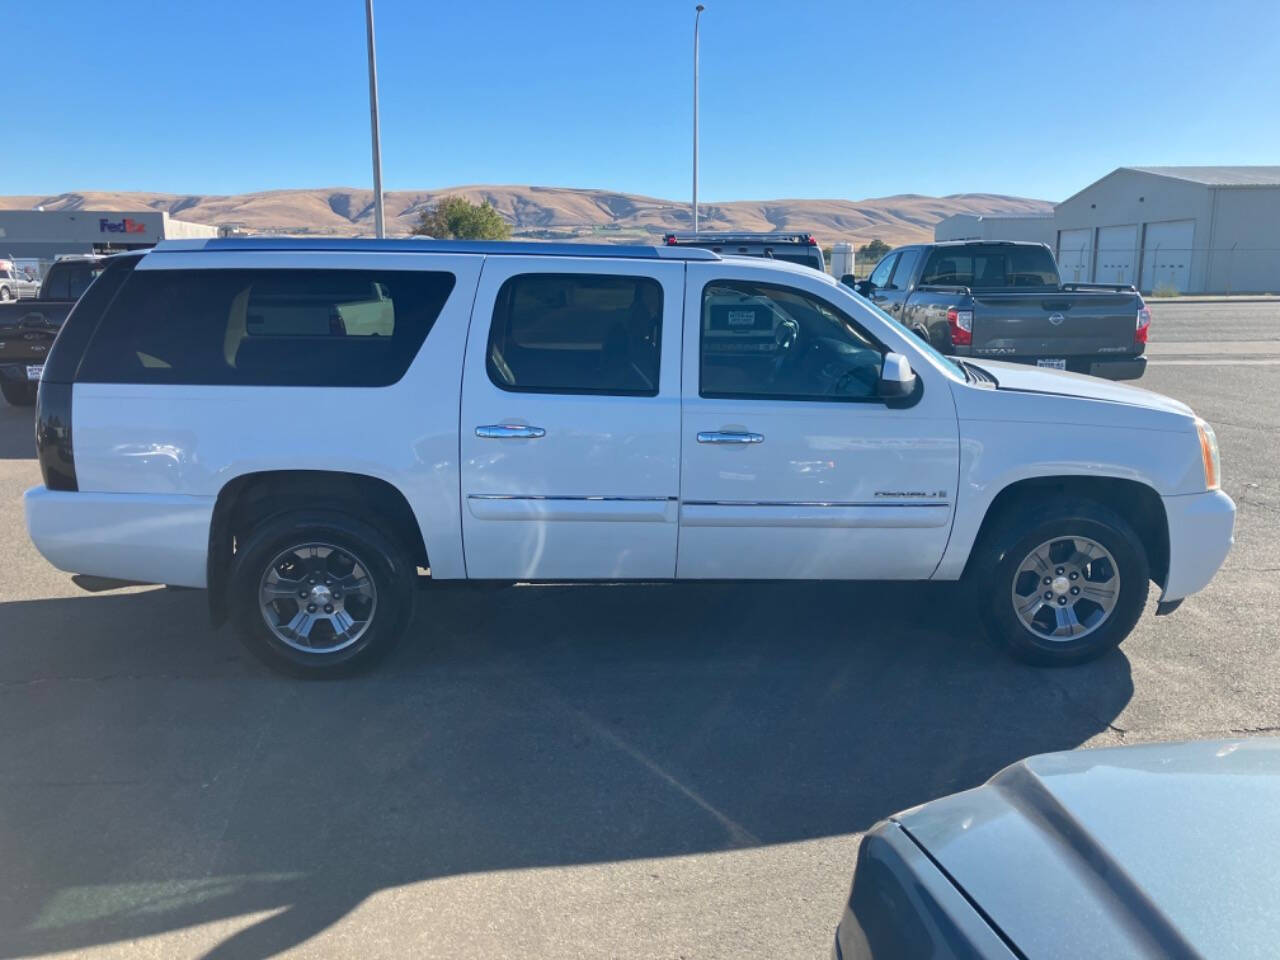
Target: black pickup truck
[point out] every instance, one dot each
(1005, 301)
(27, 327)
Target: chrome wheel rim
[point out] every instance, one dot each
(1066, 588)
(317, 597)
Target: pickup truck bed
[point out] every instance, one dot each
(1074, 328)
(1004, 301)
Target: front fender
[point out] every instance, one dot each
(994, 455)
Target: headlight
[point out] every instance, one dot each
(1209, 451)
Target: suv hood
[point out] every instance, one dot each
(1028, 379)
(1153, 850)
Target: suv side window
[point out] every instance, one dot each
(576, 333)
(321, 328)
(906, 265)
(764, 341)
(880, 275)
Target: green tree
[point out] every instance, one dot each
(457, 218)
(873, 251)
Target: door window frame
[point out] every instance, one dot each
(893, 279)
(789, 398)
(891, 255)
(577, 391)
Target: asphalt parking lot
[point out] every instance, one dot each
(672, 771)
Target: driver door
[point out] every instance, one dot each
(791, 465)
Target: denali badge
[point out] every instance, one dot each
(919, 494)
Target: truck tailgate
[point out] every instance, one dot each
(28, 328)
(1053, 324)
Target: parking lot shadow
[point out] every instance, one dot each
(155, 778)
(17, 433)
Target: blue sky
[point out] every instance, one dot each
(799, 98)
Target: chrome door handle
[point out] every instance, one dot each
(718, 436)
(505, 431)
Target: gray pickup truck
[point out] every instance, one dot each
(28, 327)
(1005, 301)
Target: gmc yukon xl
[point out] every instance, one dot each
(306, 427)
(1004, 301)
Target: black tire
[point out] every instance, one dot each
(17, 393)
(1013, 539)
(389, 565)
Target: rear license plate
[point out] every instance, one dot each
(1052, 364)
(34, 370)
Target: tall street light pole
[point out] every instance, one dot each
(373, 123)
(697, 17)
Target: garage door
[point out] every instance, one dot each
(1166, 254)
(1075, 254)
(1117, 254)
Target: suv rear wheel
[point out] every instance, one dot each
(320, 593)
(17, 393)
(1062, 585)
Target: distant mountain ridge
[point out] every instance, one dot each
(551, 212)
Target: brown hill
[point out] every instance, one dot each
(551, 212)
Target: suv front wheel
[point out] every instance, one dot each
(1062, 584)
(320, 593)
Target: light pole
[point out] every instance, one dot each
(696, 18)
(373, 123)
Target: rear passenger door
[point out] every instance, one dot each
(570, 432)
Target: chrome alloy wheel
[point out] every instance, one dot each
(317, 598)
(1066, 588)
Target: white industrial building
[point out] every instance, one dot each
(1189, 229)
(1010, 226)
(46, 234)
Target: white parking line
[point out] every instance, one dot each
(1214, 362)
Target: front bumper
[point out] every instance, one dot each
(1201, 532)
(1122, 368)
(150, 538)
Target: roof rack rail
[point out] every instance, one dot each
(806, 239)
(428, 245)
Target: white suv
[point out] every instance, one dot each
(300, 426)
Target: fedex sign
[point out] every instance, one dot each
(127, 225)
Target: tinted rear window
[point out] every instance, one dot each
(577, 333)
(341, 328)
(991, 266)
(68, 280)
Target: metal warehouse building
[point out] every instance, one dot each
(1189, 229)
(1013, 226)
(45, 234)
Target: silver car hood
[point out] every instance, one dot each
(1153, 850)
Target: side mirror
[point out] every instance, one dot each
(849, 280)
(897, 379)
(865, 287)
